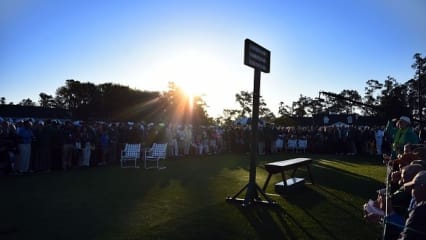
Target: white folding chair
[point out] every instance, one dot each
(302, 144)
(130, 153)
(292, 145)
(157, 152)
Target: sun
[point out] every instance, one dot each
(194, 71)
(205, 71)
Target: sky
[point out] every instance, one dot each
(326, 45)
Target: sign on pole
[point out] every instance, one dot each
(256, 56)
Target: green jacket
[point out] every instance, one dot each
(402, 137)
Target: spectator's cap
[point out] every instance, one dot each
(405, 119)
(420, 178)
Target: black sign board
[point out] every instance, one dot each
(256, 56)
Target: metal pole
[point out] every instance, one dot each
(387, 193)
(251, 190)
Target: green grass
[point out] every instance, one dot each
(187, 201)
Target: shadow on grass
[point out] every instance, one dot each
(277, 223)
(234, 222)
(273, 223)
(262, 221)
(342, 180)
(306, 198)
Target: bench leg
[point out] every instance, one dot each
(284, 178)
(266, 182)
(310, 174)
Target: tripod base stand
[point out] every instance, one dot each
(252, 197)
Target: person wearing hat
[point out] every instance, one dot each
(415, 226)
(403, 135)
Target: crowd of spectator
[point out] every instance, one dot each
(401, 205)
(28, 146)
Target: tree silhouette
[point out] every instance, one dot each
(46, 100)
(245, 100)
(26, 102)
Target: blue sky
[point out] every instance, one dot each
(328, 45)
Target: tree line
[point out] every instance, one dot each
(113, 102)
(384, 99)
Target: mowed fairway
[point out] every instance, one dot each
(187, 201)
